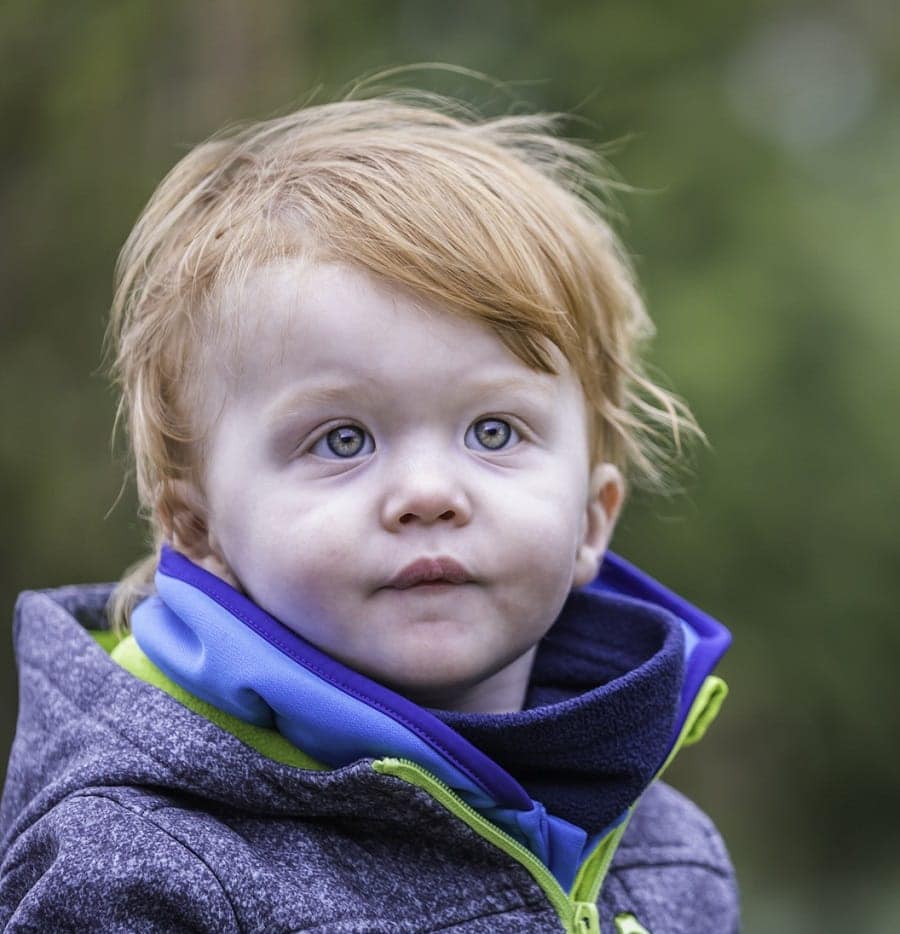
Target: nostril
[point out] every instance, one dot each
(408, 517)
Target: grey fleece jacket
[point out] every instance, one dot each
(126, 811)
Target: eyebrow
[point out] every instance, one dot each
(512, 384)
(325, 394)
(286, 406)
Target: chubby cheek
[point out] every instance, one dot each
(539, 554)
(295, 562)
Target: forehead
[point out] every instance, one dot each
(304, 322)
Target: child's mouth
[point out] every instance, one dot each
(430, 573)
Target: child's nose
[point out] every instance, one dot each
(425, 497)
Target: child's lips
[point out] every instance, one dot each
(429, 571)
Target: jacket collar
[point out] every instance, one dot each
(266, 674)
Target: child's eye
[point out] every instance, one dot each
(491, 434)
(345, 441)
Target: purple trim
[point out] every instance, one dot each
(474, 764)
(619, 576)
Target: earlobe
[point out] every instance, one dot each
(181, 510)
(605, 496)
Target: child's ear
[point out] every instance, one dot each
(183, 513)
(605, 494)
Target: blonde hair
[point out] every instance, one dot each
(497, 219)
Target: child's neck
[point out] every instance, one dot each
(502, 692)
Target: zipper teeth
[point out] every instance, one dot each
(591, 892)
(558, 898)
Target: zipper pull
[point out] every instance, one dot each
(586, 920)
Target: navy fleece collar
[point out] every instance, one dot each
(600, 712)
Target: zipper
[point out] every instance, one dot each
(577, 917)
(577, 910)
(592, 872)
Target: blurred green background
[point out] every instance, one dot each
(764, 141)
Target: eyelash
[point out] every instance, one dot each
(515, 436)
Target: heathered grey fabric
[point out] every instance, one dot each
(124, 811)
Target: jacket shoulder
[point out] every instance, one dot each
(672, 869)
(96, 862)
(669, 827)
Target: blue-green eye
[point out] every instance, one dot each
(345, 441)
(491, 434)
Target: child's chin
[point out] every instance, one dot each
(433, 678)
(418, 674)
(436, 684)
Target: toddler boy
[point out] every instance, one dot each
(379, 368)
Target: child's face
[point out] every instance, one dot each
(365, 433)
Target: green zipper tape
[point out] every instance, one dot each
(414, 774)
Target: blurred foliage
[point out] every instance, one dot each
(763, 141)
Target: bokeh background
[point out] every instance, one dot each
(763, 141)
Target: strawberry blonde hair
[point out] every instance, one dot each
(496, 219)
